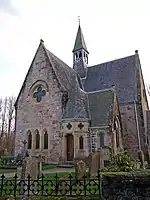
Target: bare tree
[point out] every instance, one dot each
(7, 124)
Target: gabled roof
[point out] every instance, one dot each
(101, 104)
(68, 81)
(79, 42)
(77, 105)
(120, 73)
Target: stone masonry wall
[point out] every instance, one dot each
(130, 133)
(44, 115)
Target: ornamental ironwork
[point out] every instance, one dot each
(103, 187)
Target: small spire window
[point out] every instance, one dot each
(80, 54)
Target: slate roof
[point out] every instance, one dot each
(79, 42)
(101, 107)
(121, 73)
(77, 105)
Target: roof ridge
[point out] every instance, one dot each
(112, 61)
(104, 90)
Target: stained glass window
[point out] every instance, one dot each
(40, 92)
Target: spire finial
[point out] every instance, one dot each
(79, 19)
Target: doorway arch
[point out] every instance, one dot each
(70, 147)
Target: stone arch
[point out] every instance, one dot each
(29, 136)
(37, 139)
(45, 139)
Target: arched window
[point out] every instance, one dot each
(101, 140)
(45, 140)
(76, 56)
(29, 140)
(37, 140)
(81, 142)
(80, 54)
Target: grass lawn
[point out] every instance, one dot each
(51, 176)
(61, 175)
(4, 171)
(44, 167)
(48, 166)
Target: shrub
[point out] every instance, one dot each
(122, 162)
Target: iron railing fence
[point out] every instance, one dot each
(104, 187)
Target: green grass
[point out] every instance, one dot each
(4, 171)
(51, 176)
(44, 167)
(48, 166)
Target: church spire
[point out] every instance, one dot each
(80, 54)
(79, 42)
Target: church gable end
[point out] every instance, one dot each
(39, 105)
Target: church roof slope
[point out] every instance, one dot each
(77, 106)
(101, 107)
(121, 73)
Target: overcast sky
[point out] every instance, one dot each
(112, 29)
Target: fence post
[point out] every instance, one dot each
(70, 184)
(2, 184)
(42, 186)
(84, 180)
(28, 185)
(15, 185)
(57, 184)
(100, 184)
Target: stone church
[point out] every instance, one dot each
(65, 112)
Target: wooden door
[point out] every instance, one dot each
(70, 147)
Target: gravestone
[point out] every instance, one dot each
(80, 169)
(107, 153)
(6, 153)
(97, 162)
(29, 167)
(81, 153)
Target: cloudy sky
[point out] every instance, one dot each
(112, 29)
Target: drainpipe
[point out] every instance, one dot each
(137, 126)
